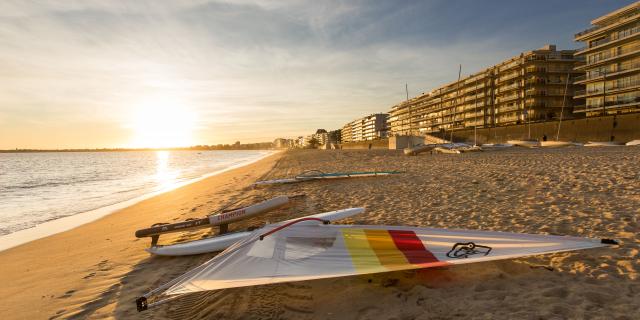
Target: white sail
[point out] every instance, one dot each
(305, 252)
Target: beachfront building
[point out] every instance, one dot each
(284, 143)
(612, 63)
(371, 127)
(533, 86)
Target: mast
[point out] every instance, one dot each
(455, 105)
(406, 89)
(564, 98)
(475, 115)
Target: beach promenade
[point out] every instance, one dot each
(95, 271)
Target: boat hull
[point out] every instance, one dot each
(222, 242)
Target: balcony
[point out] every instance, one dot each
(632, 32)
(609, 105)
(534, 81)
(509, 65)
(609, 89)
(509, 76)
(627, 18)
(516, 85)
(508, 109)
(535, 92)
(608, 55)
(598, 75)
(536, 69)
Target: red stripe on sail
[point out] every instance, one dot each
(411, 246)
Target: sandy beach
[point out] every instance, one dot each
(95, 271)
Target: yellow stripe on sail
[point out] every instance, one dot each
(386, 250)
(363, 257)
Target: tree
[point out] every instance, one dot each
(313, 143)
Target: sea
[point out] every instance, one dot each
(37, 189)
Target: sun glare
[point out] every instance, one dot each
(162, 123)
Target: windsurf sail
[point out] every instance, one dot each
(318, 175)
(296, 252)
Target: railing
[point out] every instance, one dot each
(509, 98)
(580, 78)
(599, 74)
(608, 89)
(594, 44)
(592, 29)
(507, 109)
(511, 86)
(509, 76)
(535, 105)
(536, 69)
(509, 65)
(580, 108)
(608, 55)
(535, 92)
(535, 81)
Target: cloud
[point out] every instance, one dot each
(252, 70)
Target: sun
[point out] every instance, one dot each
(162, 122)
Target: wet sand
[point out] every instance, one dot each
(97, 270)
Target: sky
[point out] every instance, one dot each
(102, 74)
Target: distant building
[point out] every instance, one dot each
(371, 127)
(283, 143)
(612, 63)
(529, 87)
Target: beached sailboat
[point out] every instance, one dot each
(603, 144)
(633, 143)
(221, 219)
(525, 143)
(319, 175)
(558, 144)
(295, 252)
(222, 242)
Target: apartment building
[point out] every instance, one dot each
(611, 64)
(534, 86)
(370, 127)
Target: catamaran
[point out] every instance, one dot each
(319, 175)
(310, 248)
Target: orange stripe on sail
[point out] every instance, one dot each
(386, 250)
(364, 259)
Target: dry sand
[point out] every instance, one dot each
(96, 271)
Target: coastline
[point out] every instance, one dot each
(97, 270)
(44, 277)
(76, 220)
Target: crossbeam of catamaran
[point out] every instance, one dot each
(310, 248)
(221, 218)
(319, 175)
(221, 242)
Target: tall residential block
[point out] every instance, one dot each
(533, 86)
(612, 63)
(371, 127)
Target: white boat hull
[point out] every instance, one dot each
(603, 144)
(556, 144)
(222, 242)
(633, 143)
(524, 143)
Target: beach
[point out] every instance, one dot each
(97, 270)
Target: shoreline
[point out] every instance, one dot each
(65, 274)
(97, 271)
(70, 222)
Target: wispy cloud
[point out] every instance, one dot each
(251, 70)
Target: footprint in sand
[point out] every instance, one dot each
(89, 276)
(67, 294)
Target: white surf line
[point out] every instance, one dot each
(70, 222)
